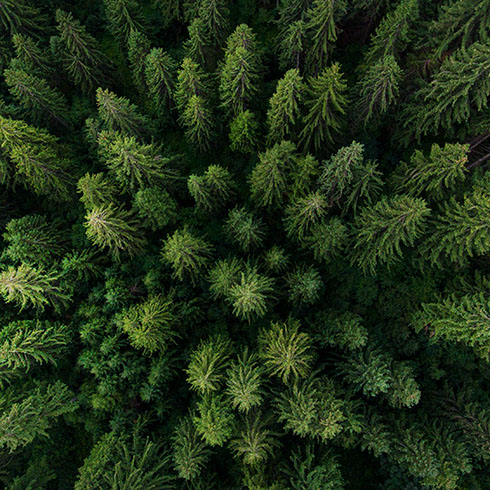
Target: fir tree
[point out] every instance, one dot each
(286, 352)
(155, 207)
(196, 45)
(404, 390)
(21, 16)
(304, 285)
(186, 253)
(284, 106)
(198, 121)
(83, 61)
(244, 132)
(213, 189)
(327, 239)
(119, 114)
(31, 56)
(245, 229)
(214, 17)
(381, 230)
(114, 228)
(293, 45)
(191, 81)
(304, 213)
(96, 190)
(224, 275)
(138, 49)
(326, 104)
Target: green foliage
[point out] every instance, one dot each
(25, 419)
(186, 253)
(213, 189)
(380, 231)
(286, 352)
(96, 190)
(123, 16)
(114, 228)
(214, 17)
(326, 103)
(304, 214)
(138, 49)
(244, 132)
(160, 71)
(197, 120)
(327, 239)
(244, 229)
(304, 285)
(155, 207)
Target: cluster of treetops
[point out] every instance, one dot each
(244, 244)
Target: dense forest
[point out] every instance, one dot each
(244, 244)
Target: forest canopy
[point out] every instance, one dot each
(244, 244)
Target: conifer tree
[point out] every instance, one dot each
(435, 174)
(131, 163)
(43, 170)
(276, 259)
(41, 102)
(378, 88)
(33, 240)
(207, 366)
(198, 42)
(213, 189)
(322, 31)
(86, 65)
(138, 49)
(326, 104)
(304, 285)
(293, 45)
(251, 294)
(198, 120)
(244, 229)
(114, 228)
(186, 253)
(190, 453)
(327, 239)
(155, 207)
(191, 81)
(286, 352)
(23, 344)
(32, 56)
(244, 132)
(240, 71)
(381, 230)
(462, 231)
(15, 133)
(214, 17)
(150, 325)
(224, 275)
(215, 420)
(304, 213)
(119, 114)
(160, 70)
(20, 16)
(404, 390)
(244, 382)
(284, 107)
(269, 178)
(25, 419)
(29, 286)
(123, 16)
(96, 190)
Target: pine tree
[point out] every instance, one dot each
(29, 286)
(132, 164)
(304, 213)
(150, 326)
(378, 89)
(286, 352)
(24, 344)
(326, 104)
(119, 114)
(32, 239)
(43, 170)
(293, 46)
(123, 16)
(186, 253)
(244, 229)
(197, 118)
(160, 71)
(284, 109)
(215, 420)
(269, 178)
(244, 382)
(96, 190)
(190, 453)
(114, 228)
(213, 189)
(435, 174)
(381, 230)
(251, 294)
(459, 88)
(462, 231)
(86, 65)
(214, 17)
(322, 31)
(241, 70)
(304, 285)
(138, 50)
(244, 134)
(255, 442)
(40, 101)
(31, 417)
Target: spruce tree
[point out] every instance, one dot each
(304, 214)
(293, 45)
(244, 132)
(214, 16)
(138, 49)
(197, 119)
(213, 189)
(191, 81)
(96, 190)
(123, 16)
(326, 104)
(32, 57)
(285, 105)
(304, 285)
(20, 16)
(244, 229)
(114, 228)
(196, 47)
